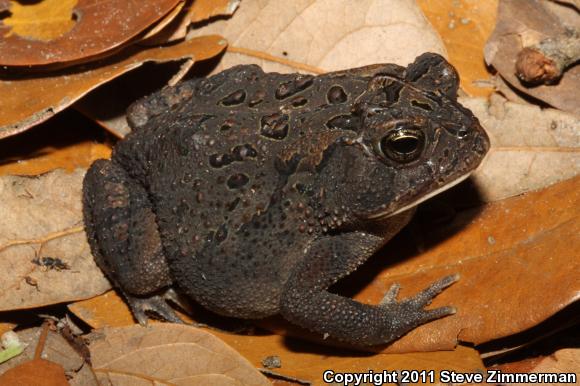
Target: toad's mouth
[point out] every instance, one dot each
(388, 213)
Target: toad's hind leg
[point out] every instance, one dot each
(124, 239)
(306, 302)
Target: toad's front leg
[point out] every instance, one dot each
(306, 302)
(124, 239)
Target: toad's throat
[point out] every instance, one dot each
(388, 213)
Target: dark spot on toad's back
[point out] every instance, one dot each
(220, 160)
(242, 152)
(336, 94)
(274, 126)
(298, 101)
(236, 98)
(294, 86)
(237, 181)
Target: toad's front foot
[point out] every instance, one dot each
(409, 313)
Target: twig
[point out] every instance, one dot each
(546, 61)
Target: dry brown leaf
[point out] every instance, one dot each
(40, 33)
(310, 35)
(192, 12)
(531, 148)
(300, 360)
(36, 372)
(106, 310)
(80, 155)
(562, 361)
(507, 257)
(41, 218)
(56, 351)
(163, 24)
(168, 353)
(28, 101)
(308, 362)
(206, 9)
(465, 27)
(518, 20)
(575, 3)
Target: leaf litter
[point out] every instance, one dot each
(30, 100)
(510, 241)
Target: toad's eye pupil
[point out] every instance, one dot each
(403, 144)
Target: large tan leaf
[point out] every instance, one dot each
(309, 35)
(30, 100)
(49, 32)
(41, 218)
(168, 353)
(530, 147)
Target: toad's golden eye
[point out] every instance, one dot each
(403, 144)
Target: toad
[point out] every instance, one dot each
(253, 192)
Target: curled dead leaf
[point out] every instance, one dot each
(57, 143)
(52, 32)
(28, 101)
(174, 26)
